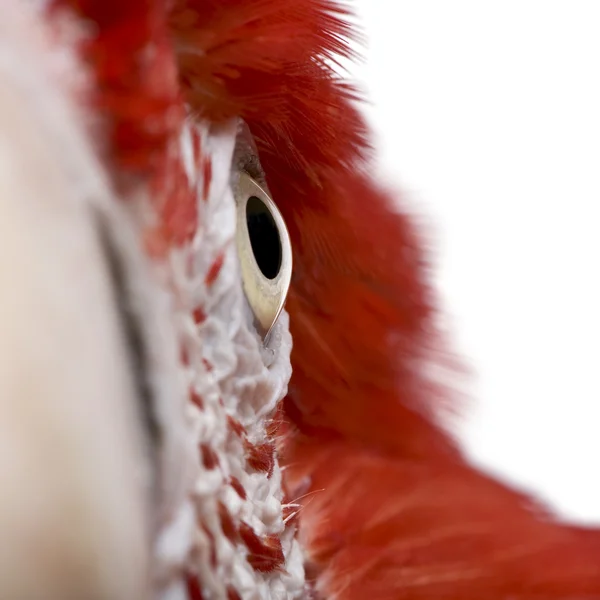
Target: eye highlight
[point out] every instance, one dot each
(264, 250)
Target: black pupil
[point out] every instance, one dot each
(264, 237)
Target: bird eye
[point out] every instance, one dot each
(264, 250)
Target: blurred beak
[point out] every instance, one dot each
(73, 477)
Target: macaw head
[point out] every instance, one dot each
(171, 175)
(144, 350)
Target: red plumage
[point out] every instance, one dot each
(392, 509)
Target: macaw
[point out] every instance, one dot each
(172, 172)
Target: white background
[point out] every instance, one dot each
(488, 116)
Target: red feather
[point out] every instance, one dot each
(396, 512)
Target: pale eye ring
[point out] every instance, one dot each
(264, 251)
